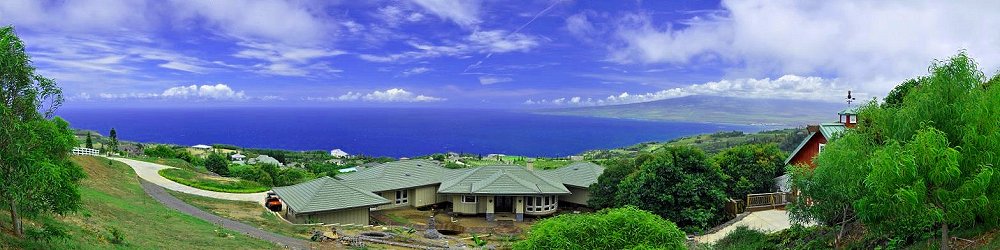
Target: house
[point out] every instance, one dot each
(265, 159)
(202, 147)
(339, 153)
(819, 135)
(488, 190)
(237, 157)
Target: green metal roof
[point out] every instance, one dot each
(397, 175)
(500, 180)
(832, 130)
(849, 111)
(579, 174)
(325, 194)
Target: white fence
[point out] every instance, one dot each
(86, 151)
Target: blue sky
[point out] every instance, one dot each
(496, 54)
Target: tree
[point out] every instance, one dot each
(913, 187)
(895, 97)
(218, 164)
(604, 192)
(615, 228)
(160, 151)
(90, 141)
(679, 184)
(113, 135)
(751, 168)
(924, 163)
(36, 172)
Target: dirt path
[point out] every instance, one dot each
(168, 200)
(150, 172)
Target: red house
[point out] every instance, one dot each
(813, 144)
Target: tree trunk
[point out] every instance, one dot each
(16, 220)
(944, 236)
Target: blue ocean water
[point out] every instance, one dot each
(395, 132)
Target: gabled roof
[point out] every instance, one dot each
(325, 194)
(500, 180)
(579, 174)
(397, 175)
(829, 131)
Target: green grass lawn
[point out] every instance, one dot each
(207, 182)
(113, 200)
(173, 162)
(247, 212)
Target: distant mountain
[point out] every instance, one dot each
(715, 109)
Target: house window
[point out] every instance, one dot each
(402, 197)
(469, 199)
(821, 145)
(541, 203)
(854, 118)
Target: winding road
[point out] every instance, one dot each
(155, 186)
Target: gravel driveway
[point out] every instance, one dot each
(150, 172)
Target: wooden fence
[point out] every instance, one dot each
(86, 151)
(766, 201)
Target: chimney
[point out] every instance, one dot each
(812, 128)
(531, 164)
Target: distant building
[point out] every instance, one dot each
(339, 153)
(265, 159)
(348, 170)
(202, 147)
(238, 157)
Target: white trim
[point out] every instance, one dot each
(402, 197)
(475, 199)
(821, 145)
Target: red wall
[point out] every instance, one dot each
(810, 150)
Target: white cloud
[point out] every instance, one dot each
(873, 45)
(416, 71)
(465, 13)
(485, 42)
(389, 95)
(488, 80)
(288, 22)
(77, 16)
(785, 87)
(197, 92)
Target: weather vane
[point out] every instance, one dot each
(849, 99)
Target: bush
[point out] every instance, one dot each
(218, 164)
(751, 168)
(200, 181)
(615, 228)
(161, 151)
(115, 236)
(744, 238)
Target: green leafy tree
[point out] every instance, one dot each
(36, 172)
(913, 187)
(218, 164)
(90, 141)
(895, 97)
(604, 192)
(751, 168)
(680, 184)
(613, 228)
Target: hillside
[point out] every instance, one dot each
(787, 140)
(113, 201)
(714, 109)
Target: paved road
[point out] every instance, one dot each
(161, 195)
(767, 221)
(150, 172)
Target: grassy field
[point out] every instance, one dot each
(173, 162)
(212, 183)
(113, 201)
(247, 212)
(787, 140)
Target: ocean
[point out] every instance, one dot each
(393, 132)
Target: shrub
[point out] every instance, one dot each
(115, 236)
(218, 164)
(161, 151)
(744, 238)
(615, 228)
